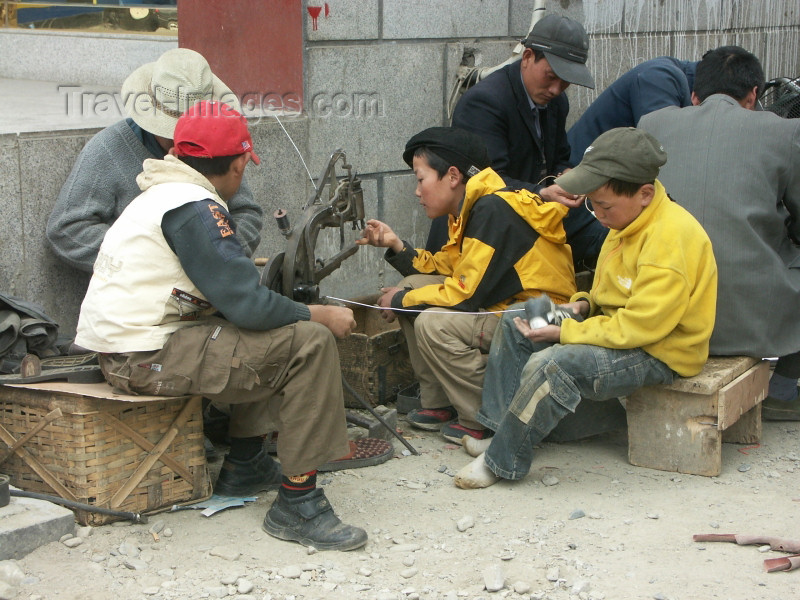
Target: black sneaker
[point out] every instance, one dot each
(542, 311)
(246, 478)
(310, 520)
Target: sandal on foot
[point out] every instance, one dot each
(364, 452)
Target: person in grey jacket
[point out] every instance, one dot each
(737, 170)
(103, 179)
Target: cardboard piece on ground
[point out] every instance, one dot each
(93, 390)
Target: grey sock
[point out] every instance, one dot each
(782, 388)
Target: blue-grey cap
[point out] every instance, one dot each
(566, 47)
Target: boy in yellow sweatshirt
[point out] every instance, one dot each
(504, 246)
(647, 318)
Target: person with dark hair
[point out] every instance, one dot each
(166, 266)
(103, 180)
(503, 247)
(653, 84)
(730, 70)
(647, 317)
(520, 111)
(737, 170)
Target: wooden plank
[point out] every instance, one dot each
(717, 372)
(747, 430)
(742, 394)
(673, 430)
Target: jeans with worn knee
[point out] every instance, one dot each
(552, 383)
(508, 355)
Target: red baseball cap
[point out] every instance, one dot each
(211, 129)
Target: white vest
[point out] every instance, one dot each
(139, 294)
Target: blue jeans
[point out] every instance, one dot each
(530, 387)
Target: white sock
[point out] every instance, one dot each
(475, 475)
(474, 446)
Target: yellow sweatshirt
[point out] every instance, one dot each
(655, 288)
(505, 247)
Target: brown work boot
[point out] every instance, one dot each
(310, 521)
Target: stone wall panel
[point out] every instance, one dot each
(342, 20)
(426, 19)
(370, 100)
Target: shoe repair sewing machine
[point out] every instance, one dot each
(297, 272)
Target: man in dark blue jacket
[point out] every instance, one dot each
(520, 111)
(653, 84)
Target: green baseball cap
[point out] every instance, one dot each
(624, 153)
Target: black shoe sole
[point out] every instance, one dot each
(427, 426)
(289, 535)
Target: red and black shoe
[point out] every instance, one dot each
(453, 432)
(431, 419)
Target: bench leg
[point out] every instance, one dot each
(672, 431)
(747, 430)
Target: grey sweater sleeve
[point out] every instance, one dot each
(102, 183)
(248, 218)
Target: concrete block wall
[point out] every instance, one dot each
(403, 55)
(376, 72)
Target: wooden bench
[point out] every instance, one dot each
(681, 427)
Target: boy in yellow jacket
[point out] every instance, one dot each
(648, 316)
(504, 247)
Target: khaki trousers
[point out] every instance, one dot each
(448, 351)
(287, 377)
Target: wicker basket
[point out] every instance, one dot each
(128, 453)
(374, 358)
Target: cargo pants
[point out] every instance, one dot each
(448, 351)
(287, 377)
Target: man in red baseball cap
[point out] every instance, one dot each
(166, 268)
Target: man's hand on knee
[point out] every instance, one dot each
(338, 319)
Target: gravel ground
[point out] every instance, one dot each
(583, 525)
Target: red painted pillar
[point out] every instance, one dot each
(254, 46)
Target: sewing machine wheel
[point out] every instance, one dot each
(272, 275)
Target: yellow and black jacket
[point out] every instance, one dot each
(504, 247)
